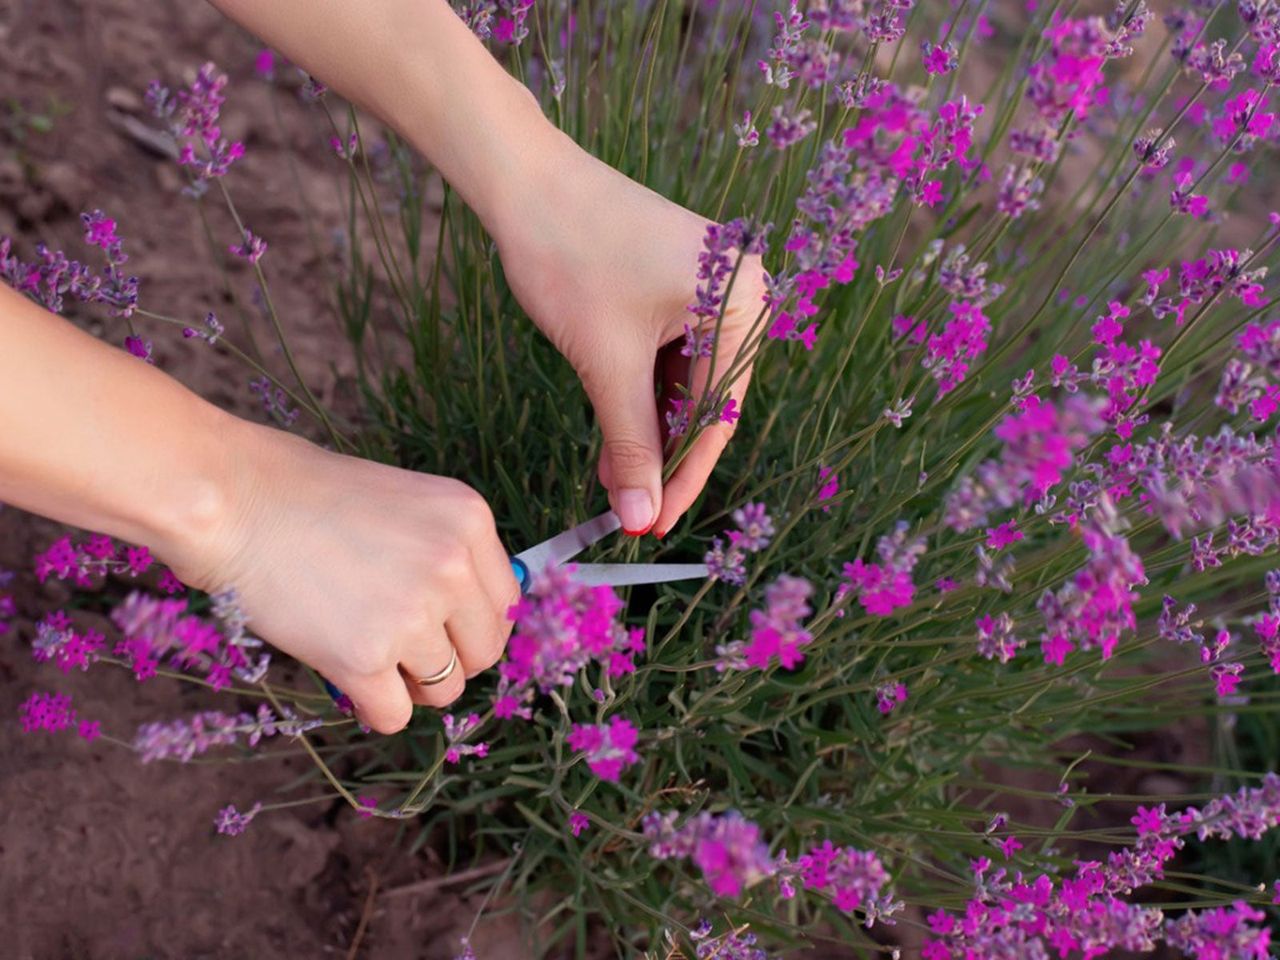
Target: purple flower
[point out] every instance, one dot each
(455, 733)
(1020, 190)
(213, 329)
(193, 117)
(1221, 932)
(889, 695)
(55, 277)
(251, 247)
(727, 560)
(756, 527)
(787, 129)
(275, 402)
(996, 639)
(231, 822)
(730, 945)
(185, 738)
(347, 150)
(153, 627)
(716, 264)
(578, 822)
(747, 134)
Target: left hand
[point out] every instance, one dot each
(607, 269)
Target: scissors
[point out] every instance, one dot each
(566, 545)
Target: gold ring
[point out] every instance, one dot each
(435, 678)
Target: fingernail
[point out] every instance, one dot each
(660, 535)
(635, 510)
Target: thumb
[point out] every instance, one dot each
(631, 460)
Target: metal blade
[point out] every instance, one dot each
(567, 545)
(628, 574)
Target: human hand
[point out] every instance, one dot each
(607, 269)
(356, 568)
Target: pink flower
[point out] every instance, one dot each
(828, 485)
(905, 326)
(962, 339)
(776, 631)
(885, 586)
(1002, 536)
(251, 247)
(170, 584)
(578, 822)
(889, 695)
(455, 733)
(1149, 820)
(1009, 846)
(726, 847)
(46, 711)
(264, 64)
(561, 626)
(365, 807)
(939, 58)
(609, 748)
(99, 230)
(139, 348)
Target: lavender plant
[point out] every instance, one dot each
(1004, 499)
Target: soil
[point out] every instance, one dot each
(104, 857)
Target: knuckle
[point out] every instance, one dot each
(363, 660)
(471, 509)
(627, 453)
(451, 566)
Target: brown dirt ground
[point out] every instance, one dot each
(102, 857)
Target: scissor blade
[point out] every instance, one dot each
(567, 545)
(628, 574)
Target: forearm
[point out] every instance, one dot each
(417, 66)
(94, 437)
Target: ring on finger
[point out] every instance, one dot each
(438, 677)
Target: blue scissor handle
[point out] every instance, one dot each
(521, 571)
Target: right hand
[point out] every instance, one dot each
(357, 569)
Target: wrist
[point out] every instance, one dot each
(481, 128)
(194, 521)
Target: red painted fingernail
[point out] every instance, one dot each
(637, 533)
(660, 535)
